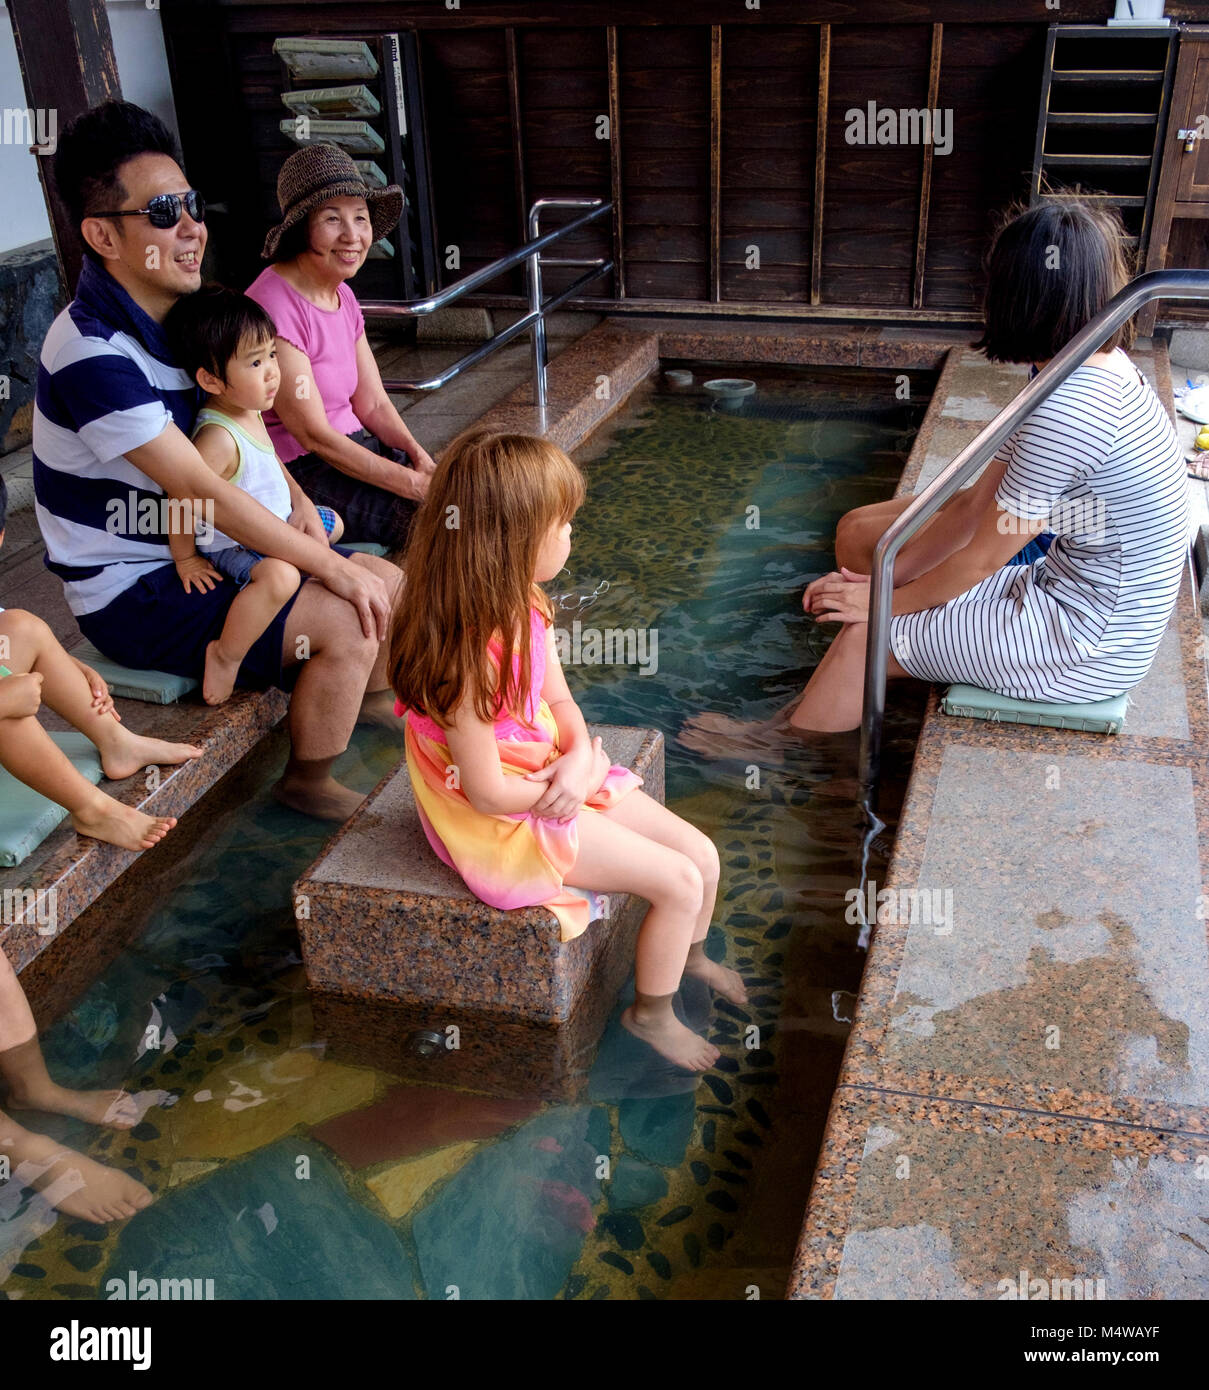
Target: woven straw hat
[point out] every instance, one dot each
(312, 175)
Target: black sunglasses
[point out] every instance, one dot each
(164, 210)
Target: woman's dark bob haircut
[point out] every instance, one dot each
(1050, 270)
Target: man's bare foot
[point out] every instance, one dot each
(76, 1185)
(133, 752)
(219, 679)
(719, 736)
(325, 800)
(108, 820)
(671, 1039)
(721, 979)
(116, 1109)
(378, 708)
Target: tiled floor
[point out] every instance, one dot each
(1027, 1083)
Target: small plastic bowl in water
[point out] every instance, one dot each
(730, 388)
(678, 376)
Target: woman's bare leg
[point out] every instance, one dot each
(833, 700)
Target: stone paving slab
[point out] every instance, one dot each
(927, 1199)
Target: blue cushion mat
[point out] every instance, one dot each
(1100, 717)
(152, 687)
(27, 817)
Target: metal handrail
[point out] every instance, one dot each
(1154, 284)
(530, 254)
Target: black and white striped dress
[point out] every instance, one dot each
(1101, 458)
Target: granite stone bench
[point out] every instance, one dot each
(410, 972)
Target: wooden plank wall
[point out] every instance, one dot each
(706, 134)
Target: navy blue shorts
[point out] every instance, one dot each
(1035, 549)
(154, 625)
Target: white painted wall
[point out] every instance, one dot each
(138, 41)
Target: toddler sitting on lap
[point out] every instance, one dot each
(226, 342)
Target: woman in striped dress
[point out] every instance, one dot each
(1098, 464)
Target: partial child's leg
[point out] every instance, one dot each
(646, 816)
(33, 646)
(32, 756)
(613, 858)
(76, 1185)
(270, 587)
(23, 1068)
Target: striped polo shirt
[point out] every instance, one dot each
(106, 385)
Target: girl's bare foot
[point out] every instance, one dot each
(720, 978)
(325, 800)
(671, 1039)
(133, 752)
(108, 820)
(116, 1109)
(76, 1185)
(219, 679)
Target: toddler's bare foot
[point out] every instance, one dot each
(219, 679)
(76, 1185)
(135, 752)
(671, 1039)
(108, 820)
(325, 800)
(116, 1109)
(721, 979)
(378, 708)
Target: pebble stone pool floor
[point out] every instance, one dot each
(280, 1172)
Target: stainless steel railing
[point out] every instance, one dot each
(1154, 284)
(534, 319)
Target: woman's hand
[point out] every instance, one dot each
(840, 598)
(812, 589)
(102, 700)
(196, 569)
(421, 459)
(569, 779)
(412, 484)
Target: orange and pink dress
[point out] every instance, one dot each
(516, 860)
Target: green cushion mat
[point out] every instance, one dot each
(1101, 717)
(365, 547)
(153, 687)
(26, 817)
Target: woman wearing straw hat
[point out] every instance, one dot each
(333, 425)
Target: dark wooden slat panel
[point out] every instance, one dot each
(782, 283)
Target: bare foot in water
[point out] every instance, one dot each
(378, 709)
(135, 752)
(218, 680)
(115, 1109)
(719, 736)
(721, 979)
(325, 800)
(671, 1039)
(76, 1185)
(108, 820)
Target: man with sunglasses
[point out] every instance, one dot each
(111, 445)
